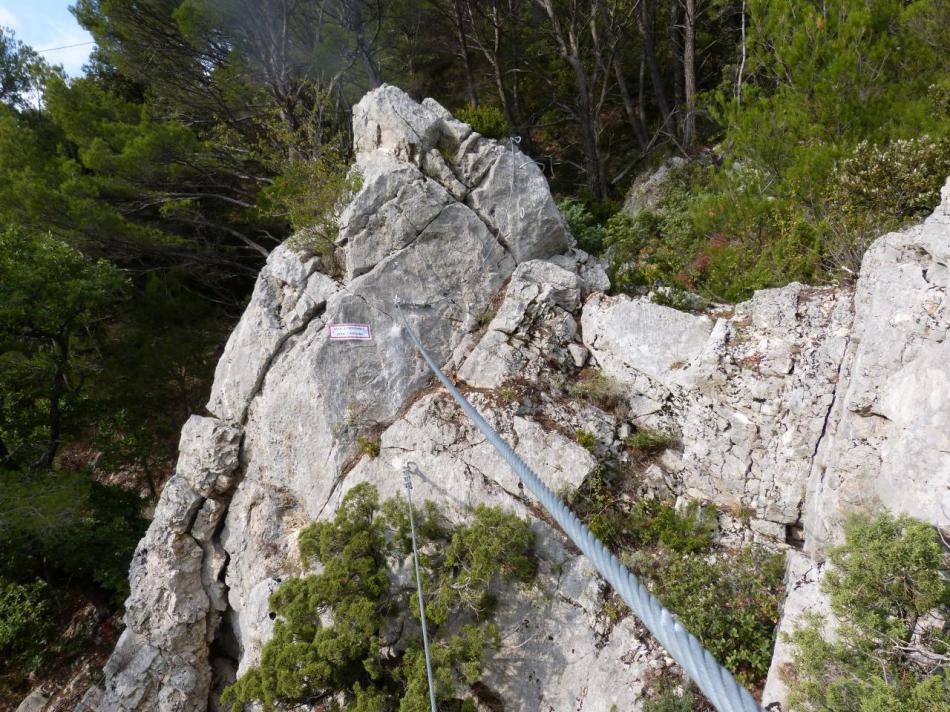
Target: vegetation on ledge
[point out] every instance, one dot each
(345, 639)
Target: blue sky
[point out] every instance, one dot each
(47, 24)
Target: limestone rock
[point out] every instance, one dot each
(803, 585)
(34, 702)
(288, 293)
(888, 440)
(649, 188)
(535, 318)
(636, 335)
(508, 190)
(747, 396)
(799, 406)
(388, 119)
(161, 659)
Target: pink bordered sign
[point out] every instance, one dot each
(350, 332)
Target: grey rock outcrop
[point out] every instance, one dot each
(805, 404)
(649, 188)
(172, 615)
(747, 395)
(801, 405)
(888, 436)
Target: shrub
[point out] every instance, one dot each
(687, 531)
(731, 602)
(307, 660)
(588, 232)
(586, 440)
(650, 442)
(309, 193)
(670, 698)
(486, 119)
(599, 390)
(895, 180)
(939, 94)
(887, 577)
(368, 446)
(24, 625)
(63, 523)
(600, 508)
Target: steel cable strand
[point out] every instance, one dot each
(716, 683)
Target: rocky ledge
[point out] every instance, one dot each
(791, 410)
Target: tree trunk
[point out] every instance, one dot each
(689, 74)
(596, 180)
(646, 22)
(676, 42)
(570, 51)
(464, 52)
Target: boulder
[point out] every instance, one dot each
(649, 188)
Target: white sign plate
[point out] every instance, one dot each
(350, 332)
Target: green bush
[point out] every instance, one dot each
(308, 193)
(344, 660)
(368, 446)
(65, 525)
(650, 442)
(586, 439)
(896, 180)
(669, 698)
(486, 119)
(24, 626)
(597, 389)
(588, 232)
(731, 602)
(890, 573)
(688, 531)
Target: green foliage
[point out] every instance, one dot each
(24, 625)
(309, 193)
(53, 302)
(586, 229)
(368, 446)
(669, 698)
(730, 601)
(343, 660)
(598, 389)
(896, 180)
(586, 439)
(600, 508)
(486, 119)
(688, 531)
(650, 442)
(64, 525)
(890, 573)
(508, 394)
(19, 66)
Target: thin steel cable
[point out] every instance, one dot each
(715, 681)
(407, 479)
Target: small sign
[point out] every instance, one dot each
(350, 332)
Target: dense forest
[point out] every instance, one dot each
(139, 201)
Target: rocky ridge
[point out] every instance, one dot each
(797, 407)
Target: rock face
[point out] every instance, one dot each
(888, 441)
(801, 405)
(650, 188)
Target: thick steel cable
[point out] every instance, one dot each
(716, 683)
(407, 480)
